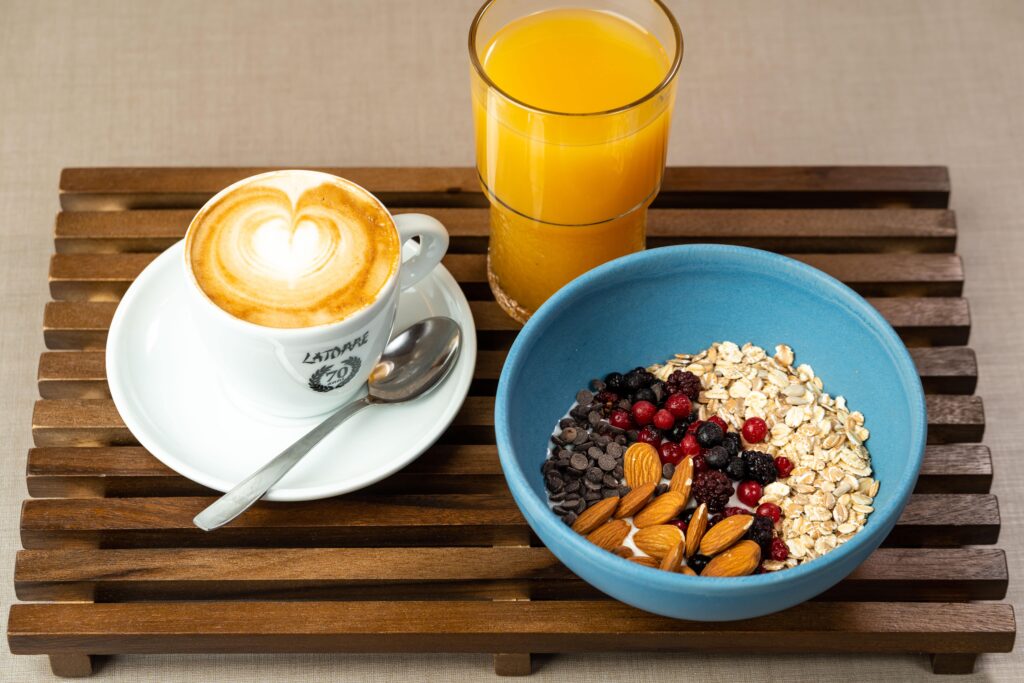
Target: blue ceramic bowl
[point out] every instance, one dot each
(644, 308)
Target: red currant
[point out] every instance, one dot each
(749, 492)
(643, 412)
(735, 510)
(780, 551)
(754, 430)
(649, 435)
(670, 453)
(689, 445)
(663, 419)
(784, 465)
(679, 405)
(699, 465)
(720, 422)
(679, 523)
(771, 511)
(692, 429)
(620, 419)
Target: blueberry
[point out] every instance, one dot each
(736, 469)
(732, 443)
(709, 434)
(632, 382)
(717, 457)
(645, 394)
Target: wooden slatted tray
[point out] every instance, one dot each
(437, 557)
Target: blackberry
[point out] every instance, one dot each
(614, 382)
(698, 562)
(760, 467)
(684, 382)
(713, 489)
(645, 394)
(761, 532)
(736, 469)
(716, 457)
(732, 443)
(709, 434)
(632, 383)
(646, 378)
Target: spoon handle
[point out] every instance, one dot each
(241, 497)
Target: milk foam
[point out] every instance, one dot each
(293, 249)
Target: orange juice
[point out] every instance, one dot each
(570, 141)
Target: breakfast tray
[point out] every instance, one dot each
(437, 558)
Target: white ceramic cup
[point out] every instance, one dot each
(308, 371)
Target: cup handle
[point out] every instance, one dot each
(433, 245)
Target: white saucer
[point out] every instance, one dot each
(171, 399)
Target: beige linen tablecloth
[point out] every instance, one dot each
(368, 82)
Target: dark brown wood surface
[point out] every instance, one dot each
(437, 557)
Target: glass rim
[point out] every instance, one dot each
(665, 82)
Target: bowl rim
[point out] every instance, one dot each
(537, 512)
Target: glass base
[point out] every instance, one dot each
(507, 303)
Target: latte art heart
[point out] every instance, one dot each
(288, 256)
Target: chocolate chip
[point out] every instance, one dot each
(618, 472)
(594, 452)
(566, 422)
(584, 397)
(570, 518)
(554, 483)
(594, 474)
(572, 486)
(590, 496)
(594, 418)
(592, 485)
(624, 491)
(606, 462)
(603, 440)
(581, 437)
(582, 505)
(662, 488)
(621, 440)
(557, 496)
(610, 481)
(597, 385)
(578, 462)
(659, 391)
(608, 493)
(582, 447)
(624, 404)
(559, 510)
(569, 434)
(615, 449)
(547, 466)
(667, 470)
(557, 441)
(571, 499)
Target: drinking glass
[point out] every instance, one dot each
(569, 187)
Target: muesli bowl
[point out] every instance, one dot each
(643, 309)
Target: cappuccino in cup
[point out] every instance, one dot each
(294, 279)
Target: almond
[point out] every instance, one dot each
(695, 529)
(682, 479)
(656, 541)
(724, 534)
(660, 510)
(610, 535)
(624, 551)
(673, 558)
(739, 560)
(645, 561)
(595, 515)
(686, 570)
(642, 465)
(635, 500)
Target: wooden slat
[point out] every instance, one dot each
(483, 626)
(803, 230)
(919, 321)
(129, 471)
(390, 520)
(105, 189)
(82, 374)
(96, 422)
(106, 277)
(431, 573)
